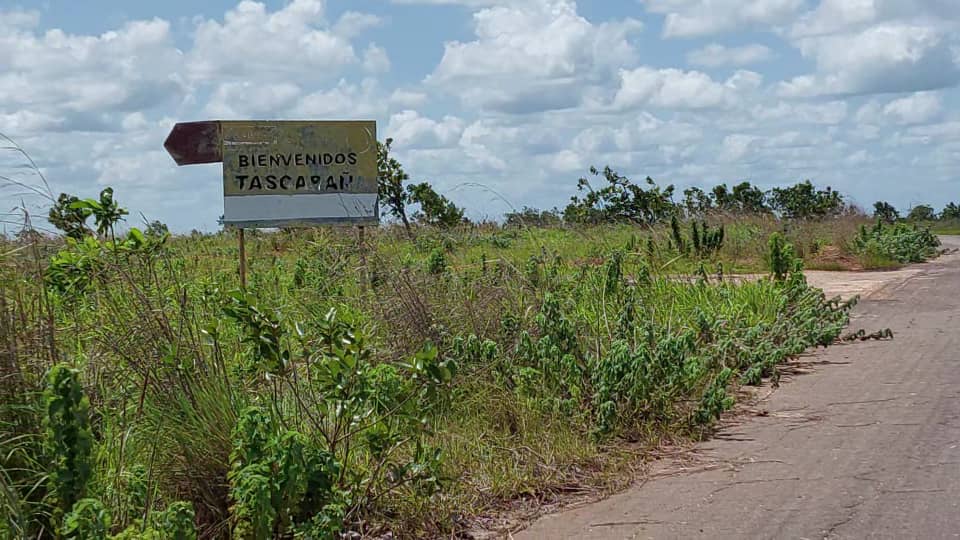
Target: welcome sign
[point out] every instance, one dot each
(287, 173)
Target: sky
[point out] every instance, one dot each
(497, 103)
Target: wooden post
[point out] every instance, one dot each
(243, 262)
(363, 256)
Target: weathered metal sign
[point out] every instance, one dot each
(287, 173)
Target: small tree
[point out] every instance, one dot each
(950, 211)
(435, 209)
(750, 199)
(780, 256)
(157, 229)
(885, 212)
(67, 437)
(722, 198)
(390, 184)
(696, 202)
(804, 201)
(533, 217)
(621, 201)
(71, 220)
(106, 211)
(922, 212)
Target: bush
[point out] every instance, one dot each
(69, 440)
(780, 256)
(902, 243)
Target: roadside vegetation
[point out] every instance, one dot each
(409, 380)
(947, 221)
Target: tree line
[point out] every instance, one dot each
(605, 196)
(888, 213)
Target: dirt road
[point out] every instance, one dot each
(865, 446)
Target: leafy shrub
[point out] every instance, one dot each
(900, 242)
(885, 212)
(87, 520)
(780, 256)
(361, 434)
(437, 261)
(922, 212)
(715, 400)
(69, 440)
(435, 209)
(804, 201)
(620, 201)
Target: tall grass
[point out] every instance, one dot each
(573, 345)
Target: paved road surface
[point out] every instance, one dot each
(866, 446)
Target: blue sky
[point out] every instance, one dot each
(498, 103)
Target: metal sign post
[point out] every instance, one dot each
(286, 173)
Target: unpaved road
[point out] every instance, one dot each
(865, 446)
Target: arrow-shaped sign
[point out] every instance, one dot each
(195, 142)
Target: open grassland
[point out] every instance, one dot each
(385, 382)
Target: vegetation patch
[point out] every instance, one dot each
(409, 380)
(899, 242)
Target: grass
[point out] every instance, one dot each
(943, 226)
(563, 353)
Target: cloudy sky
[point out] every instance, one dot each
(496, 102)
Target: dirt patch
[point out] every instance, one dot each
(834, 258)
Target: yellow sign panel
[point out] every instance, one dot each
(299, 158)
(299, 173)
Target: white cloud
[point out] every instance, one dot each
(533, 55)
(344, 101)
(375, 59)
(917, 108)
(716, 55)
(78, 81)
(238, 100)
(735, 147)
(409, 129)
(470, 121)
(845, 16)
(671, 89)
(354, 23)
(252, 42)
(889, 57)
(689, 18)
(408, 98)
(877, 46)
(829, 113)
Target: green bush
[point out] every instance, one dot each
(780, 256)
(900, 242)
(69, 441)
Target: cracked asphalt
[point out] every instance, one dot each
(865, 443)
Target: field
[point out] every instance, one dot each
(385, 381)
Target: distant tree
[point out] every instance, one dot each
(621, 201)
(435, 209)
(749, 199)
(804, 201)
(390, 184)
(722, 198)
(885, 212)
(157, 229)
(923, 212)
(696, 202)
(950, 211)
(105, 210)
(72, 221)
(533, 217)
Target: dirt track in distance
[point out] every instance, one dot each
(865, 445)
